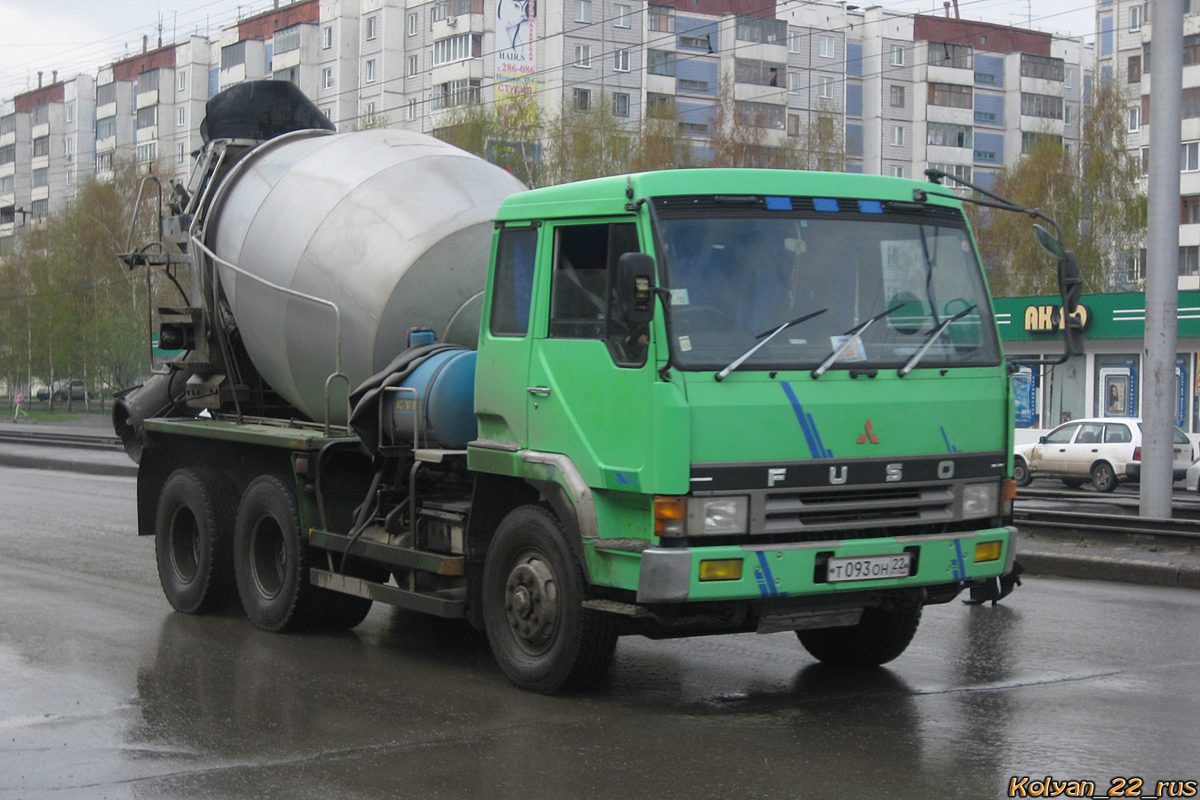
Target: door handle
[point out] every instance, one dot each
(540, 391)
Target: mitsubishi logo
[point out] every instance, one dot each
(868, 436)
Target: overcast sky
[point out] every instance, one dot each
(74, 36)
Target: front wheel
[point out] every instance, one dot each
(1103, 477)
(880, 636)
(1021, 472)
(540, 633)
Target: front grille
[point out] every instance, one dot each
(859, 508)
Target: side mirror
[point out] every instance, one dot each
(1049, 242)
(1041, 440)
(635, 288)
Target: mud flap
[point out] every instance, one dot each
(996, 589)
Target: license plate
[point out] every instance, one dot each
(868, 568)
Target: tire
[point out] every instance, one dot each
(193, 539)
(1103, 477)
(1073, 483)
(533, 588)
(880, 636)
(270, 558)
(1021, 472)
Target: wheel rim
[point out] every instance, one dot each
(268, 557)
(184, 545)
(531, 603)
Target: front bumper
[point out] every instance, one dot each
(671, 575)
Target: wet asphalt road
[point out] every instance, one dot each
(106, 693)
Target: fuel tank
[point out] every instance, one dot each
(393, 228)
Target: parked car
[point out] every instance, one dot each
(1105, 451)
(61, 390)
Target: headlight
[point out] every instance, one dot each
(714, 516)
(981, 500)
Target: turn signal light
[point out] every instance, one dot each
(988, 551)
(1008, 490)
(669, 514)
(726, 569)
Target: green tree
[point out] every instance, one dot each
(1092, 193)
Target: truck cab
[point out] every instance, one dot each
(808, 428)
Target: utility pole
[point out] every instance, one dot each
(1160, 387)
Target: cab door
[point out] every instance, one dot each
(589, 376)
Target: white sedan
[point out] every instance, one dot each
(1102, 450)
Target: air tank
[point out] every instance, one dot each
(392, 227)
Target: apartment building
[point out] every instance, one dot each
(883, 92)
(1125, 33)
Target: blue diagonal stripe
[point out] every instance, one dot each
(816, 447)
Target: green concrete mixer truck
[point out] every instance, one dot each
(666, 404)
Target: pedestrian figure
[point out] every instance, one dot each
(18, 399)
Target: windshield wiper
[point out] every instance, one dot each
(852, 336)
(911, 364)
(766, 336)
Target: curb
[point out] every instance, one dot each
(1104, 568)
(68, 465)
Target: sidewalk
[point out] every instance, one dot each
(1144, 564)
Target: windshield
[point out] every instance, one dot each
(736, 274)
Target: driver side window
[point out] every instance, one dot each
(1062, 435)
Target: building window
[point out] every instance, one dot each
(660, 106)
(147, 152)
(1051, 69)
(621, 60)
(957, 170)
(457, 48)
(69, 150)
(623, 14)
(897, 171)
(898, 135)
(897, 94)
(583, 10)
(369, 71)
(1189, 209)
(413, 24)
(104, 162)
(181, 80)
(661, 19)
(795, 41)
(795, 82)
(943, 134)
(1032, 139)
(1135, 119)
(41, 146)
(949, 94)
(147, 117)
(1068, 77)
(414, 65)
(39, 209)
(106, 93)
(793, 125)
(453, 94)
(147, 81)
(1134, 69)
(41, 178)
(1190, 157)
(760, 115)
(985, 155)
(897, 51)
(759, 73)
(1044, 106)
(757, 29)
(181, 117)
(8, 124)
(180, 153)
(233, 55)
(660, 62)
(583, 99)
(106, 128)
(372, 28)
(327, 78)
(327, 37)
(825, 46)
(958, 56)
(412, 109)
(1189, 260)
(824, 87)
(620, 104)
(287, 40)
(1135, 18)
(7, 185)
(692, 85)
(583, 55)
(70, 112)
(1067, 115)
